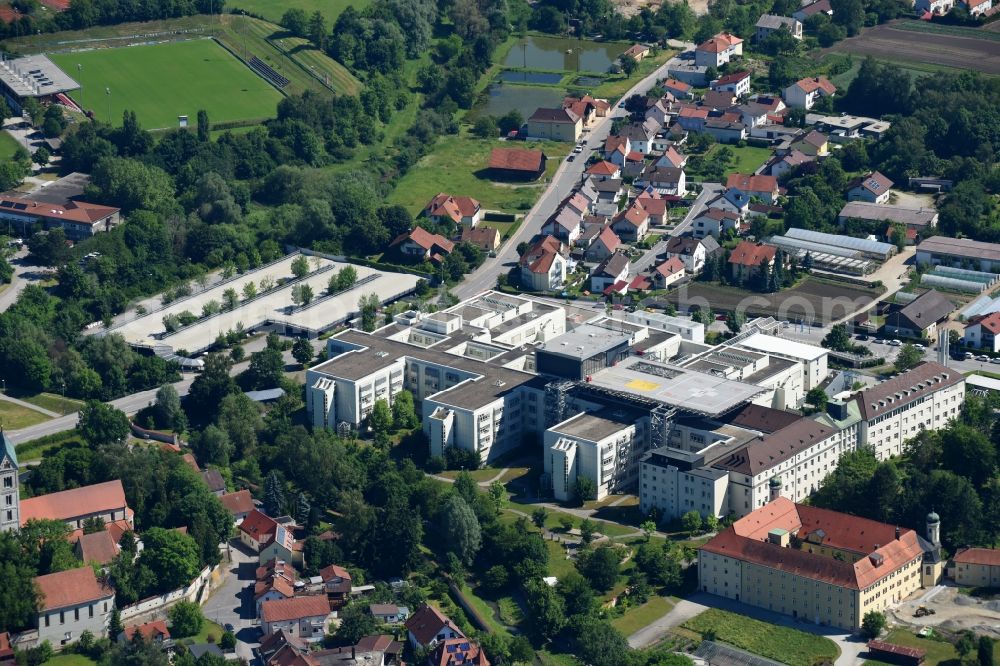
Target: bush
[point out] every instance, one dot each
(185, 619)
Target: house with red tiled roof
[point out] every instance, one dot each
(100, 500)
(782, 165)
(464, 211)
(7, 657)
(587, 106)
(748, 258)
(240, 504)
(457, 652)
(78, 219)
(428, 626)
(983, 332)
(275, 580)
(803, 93)
(692, 118)
(678, 89)
(976, 7)
(418, 244)
(764, 188)
(655, 205)
(8, 15)
(305, 617)
(737, 83)
(71, 602)
(517, 163)
(97, 547)
(667, 273)
(672, 158)
(602, 247)
(257, 530)
(861, 565)
(486, 239)
(873, 188)
(559, 124)
(812, 9)
(977, 567)
(718, 50)
(151, 632)
(603, 170)
(337, 585)
(543, 265)
(617, 149)
(631, 224)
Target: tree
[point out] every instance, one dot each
(115, 625)
(230, 299)
(464, 536)
(908, 358)
(498, 495)
(274, 495)
(510, 121)
(817, 397)
(838, 339)
(356, 623)
(600, 644)
(267, 367)
(344, 279)
(872, 624)
(985, 651)
(546, 609)
(485, 127)
(584, 490)
(18, 594)
(41, 156)
(48, 248)
(691, 521)
(587, 529)
(185, 619)
(966, 644)
(648, 527)
(170, 414)
(204, 127)
(302, 351)
(380, 418)
(538, 517)
(629, 65)
(302, 294)
(404, 414)
(103, 424)
(368, 305)
(131, 185)
(227, 641)
(295, 21)
(576, 592)
(600, 567)
(172, 555)
(300, 266)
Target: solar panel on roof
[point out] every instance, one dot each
(6, 204)
(20, 206)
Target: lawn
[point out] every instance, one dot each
(273, 11)
(457, 165)
(207, 628)
(616, 86)
(69, 660)
(163, 81)
(36, 448)
(559, 566)
(744, 159)
(937, 651)
(8, 145)
(789, 646)
(15, 417)
(53, 402)
(638, 617)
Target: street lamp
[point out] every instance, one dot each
(107, 93)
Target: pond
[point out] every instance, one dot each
(588, 81)
(502, 98)
(546, 78)
(560, 54)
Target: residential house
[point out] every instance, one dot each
(566, 224)
(609, 272)
(693, 252)
(587, 107)
(654, 204)
(678, 89)
(983, 332)
(720, 100)
(284, 546)
(774, 105)
(748, 259)
(767, 24)
(662, 110)
(71, 602)
(609, 191)
(240, 504)
(154, 632)
(604, 170)
(257, 530)
(782, 165)
(78, 219)
(543, 265)
(616, 148)
(97, 547)
(934, 7)
(803, 93)
(555, 124)
(753, 114)
(713, 221)
(641, 135)
(274, 580)
(692, 118)
(812, 9)
(389, 613)
(920, 317)
(517, 163)
(213, 479)
(305, 617)
(100, 500)
(198, 650)
(486, 239)
(976, 7)
(337, 585)
(604, 245)
(7, 656)
(667, 273)
(418, 244)
(731, 200)
(664, 180)
(428, 626)
(718, 50)
(457, 652)
(977, 567)
(632, 224)
(814, 144)
(764, 188)
(636, 51)
(462, 211)
(725, 131)
(737, 83)
(671, 158)
(873, 188)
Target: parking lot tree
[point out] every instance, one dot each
(908, 358)
(300, 266)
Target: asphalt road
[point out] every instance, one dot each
(652, 256)
(24, 274)
(563, 183)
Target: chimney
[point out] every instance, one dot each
(897, 533)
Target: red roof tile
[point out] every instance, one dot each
(671, 266)
(817, 83)
(752, 183)
(719, 43)
(990, 322)
(427, 623)
(987, 556)
(517, 159)
(149, 631)
(70, 588)
(259, 526)
(68, 504)
(454, 208)
(735, 77)
(604, 168)
(609, 238)
(78, 212)
(239, 502)
(296, 608)
(458, 652)
(424, 239)
(99, 547)
(748, 253)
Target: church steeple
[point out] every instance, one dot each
(10, 502)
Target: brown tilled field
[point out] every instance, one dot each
(890, 43)
(811, 299)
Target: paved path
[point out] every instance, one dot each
(653, 255)
(28, 405)
(25, 273)
(563, 182)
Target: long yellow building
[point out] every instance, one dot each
(818, 565)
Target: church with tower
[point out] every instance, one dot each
(10, 503)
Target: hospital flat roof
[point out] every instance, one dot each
(774, 345)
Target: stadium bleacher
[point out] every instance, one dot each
(265, 70)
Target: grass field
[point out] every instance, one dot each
(272, 11)
(15, 417)
(8, 145)
(457, 165)
(54, 402)
(938, 651)
(745, 159)
(616, 86)
(783, 644)
(638, 617)
(163, 81)
(69, 660)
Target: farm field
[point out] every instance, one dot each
(157, 82)
(789, 646)
(811, 299)
(457, 165)
(895, 41)
(272, 11)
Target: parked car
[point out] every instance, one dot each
(995, 359)
(879, 341)
(968, 356)
(863, 337)
(920, 346)
(983, 358)
(895, 343)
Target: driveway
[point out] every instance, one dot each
(232, 602)
(25, 273)
(653, 255)
(850, 646)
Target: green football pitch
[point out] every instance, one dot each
(163, 81)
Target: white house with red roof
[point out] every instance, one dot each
(803, 93)
(71, 602)
(604, 170)
(305, 616)
(764, 188)
(737, 83)
(983, 331)
(718, 50)
(678, 89)
(428, 626)
(257, 530)
(873, 188)
(667, 273)
(748, 259)
(464, 211)
(457, 652)
(543, 265)
(605, 245)
(155, 632)
(616, 149)
(419, 244)
(284, 546)
(78, 219)
(976, 7)
(977, 567)
(631, 224)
